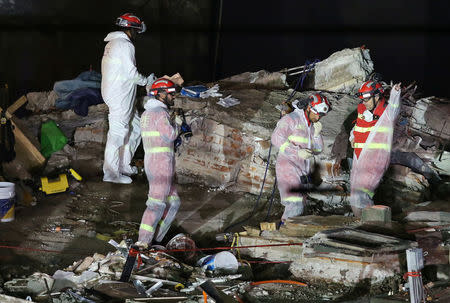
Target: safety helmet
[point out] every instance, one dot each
(369, 89)
(131, 21)
(319, 104)
(162, 85)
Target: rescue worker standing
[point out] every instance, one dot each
(297, 136)
(158, 135)
(120, 78)
(371, 139)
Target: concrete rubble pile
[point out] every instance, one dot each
(230, 146)
(230, 150)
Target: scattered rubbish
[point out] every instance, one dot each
(154, 288)
(211, 92)
(133, 254)
(59, 229)
(78, 297)
(193, 91)
(228, 101)
(182, 242)
(222, 262)
(216, 294)
(7, 201)
(139, 287)
(268, 226)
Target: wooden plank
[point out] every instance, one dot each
(23, 146)
(16, 105)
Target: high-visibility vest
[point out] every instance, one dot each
(363, 128)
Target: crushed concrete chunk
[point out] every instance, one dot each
(33, 285)
(343, 71)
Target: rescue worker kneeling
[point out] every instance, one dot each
(298, 138)
(371, 139)
(158, 135)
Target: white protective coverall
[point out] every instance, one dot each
(373, 161)
(158, 135)
(120, 78)
(292, 136)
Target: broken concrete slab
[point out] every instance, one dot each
(343, 71)
(275, 253)
(354, 244)
(344, 271)
(9, 299)
(260, 78)
(436, 216)
(33, 285)
(430, 116)
(41, 101)
(307, 226)
(95, 132)
(377, 213)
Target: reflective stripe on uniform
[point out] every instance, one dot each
(161, 223)
(373, 146)
(146, 227)
(173, 198)
(370, 193)
(381, 129)
(298, 139)
(161, 149)
(293, 199)
(283, 146)
(153, 200)
(151, 134)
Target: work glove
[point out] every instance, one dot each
(317, 128)
(367, 116)
(178, 120)
(150, 80)
(305, 153)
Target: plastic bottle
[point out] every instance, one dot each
(59, 229)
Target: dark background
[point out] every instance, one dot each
(43, 41)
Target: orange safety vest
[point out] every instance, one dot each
(362, 128)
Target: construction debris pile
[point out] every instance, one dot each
(230, 151)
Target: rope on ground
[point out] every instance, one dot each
(168, 250)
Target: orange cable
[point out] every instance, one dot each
(279, 281)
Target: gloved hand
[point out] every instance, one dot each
(305, 153)
(317, 128)
(178, 120)
(151, 79)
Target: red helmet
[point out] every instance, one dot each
(162, 84)
(319, 104)
(130, 20)
(369, 89)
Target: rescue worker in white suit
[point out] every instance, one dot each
(371, 138)
(120, 78)
(298, 138)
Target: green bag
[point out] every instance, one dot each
(52, 138)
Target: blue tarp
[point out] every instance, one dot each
(78, 94)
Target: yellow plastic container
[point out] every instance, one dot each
(7, 201)
(53, 186)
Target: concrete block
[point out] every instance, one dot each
(343, 71)
(96, 132)
(376, 213)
